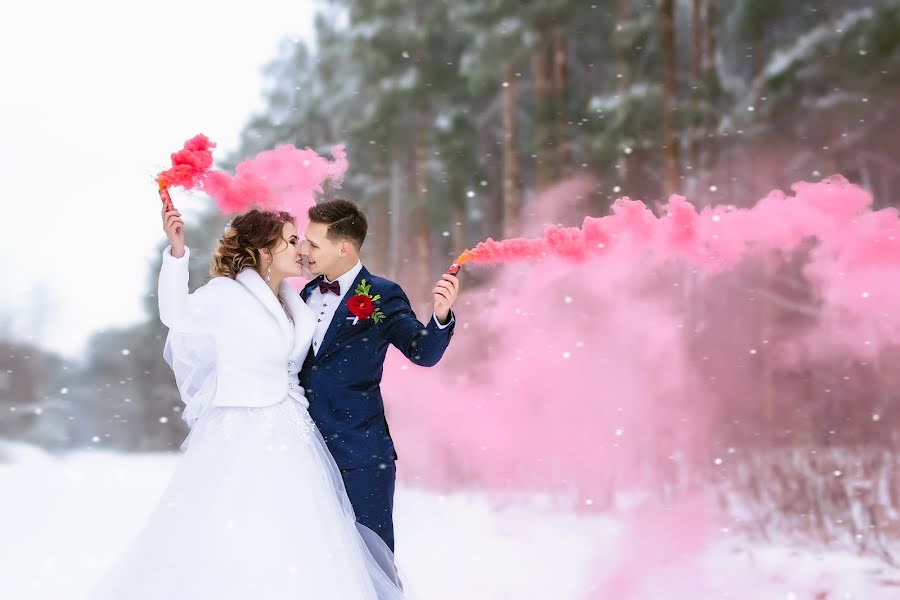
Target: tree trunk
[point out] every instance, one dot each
(489, 207)
(421, 158)
(711, 94)
(696, 39)
(623, 40)
(710, 57)
(696, 129)
(512, 191)
(458, 237)
(560, 102)
(422, 247)
(543, 114)
(398, 193)
(672, 177)
(380, 219)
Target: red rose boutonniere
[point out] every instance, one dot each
(362, 305)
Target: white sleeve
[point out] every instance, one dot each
(445, 325)
(179, 310)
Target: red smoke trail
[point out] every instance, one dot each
(189, 164)
(832, 211)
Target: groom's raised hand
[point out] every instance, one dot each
(445, 293)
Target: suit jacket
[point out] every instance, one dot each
(230, 342)
(342, 380)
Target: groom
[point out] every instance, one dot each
(358, 316)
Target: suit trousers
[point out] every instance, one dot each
(371, 492)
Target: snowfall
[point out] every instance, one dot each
(63, 518)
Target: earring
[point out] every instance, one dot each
(268, 276)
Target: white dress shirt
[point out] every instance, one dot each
(325, 305)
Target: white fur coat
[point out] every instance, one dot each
(230, 342)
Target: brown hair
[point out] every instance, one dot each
(239, 246)
(344, 218)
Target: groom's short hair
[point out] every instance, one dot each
(344, 218)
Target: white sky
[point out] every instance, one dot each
(95, 96)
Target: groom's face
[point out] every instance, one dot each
(323, 255)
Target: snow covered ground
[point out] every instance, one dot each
(62, 520)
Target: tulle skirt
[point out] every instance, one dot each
(255, 510)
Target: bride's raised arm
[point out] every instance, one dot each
(179, 310)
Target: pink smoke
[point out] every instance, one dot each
(583, 353)
(656, 554)
(285, 178)
(855, 248)
(548, 372)
(596, 363)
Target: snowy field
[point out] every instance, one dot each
(62, 520)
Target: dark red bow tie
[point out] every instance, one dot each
(334, 287)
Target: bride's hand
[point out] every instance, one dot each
(174, 228)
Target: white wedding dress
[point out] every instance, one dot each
(256, 508)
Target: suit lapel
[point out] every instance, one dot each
(254, 284)
(339, 324)
(308, 288)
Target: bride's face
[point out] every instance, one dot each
(286, 261)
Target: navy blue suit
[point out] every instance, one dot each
(342, 382)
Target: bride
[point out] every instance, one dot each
(256, 507)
